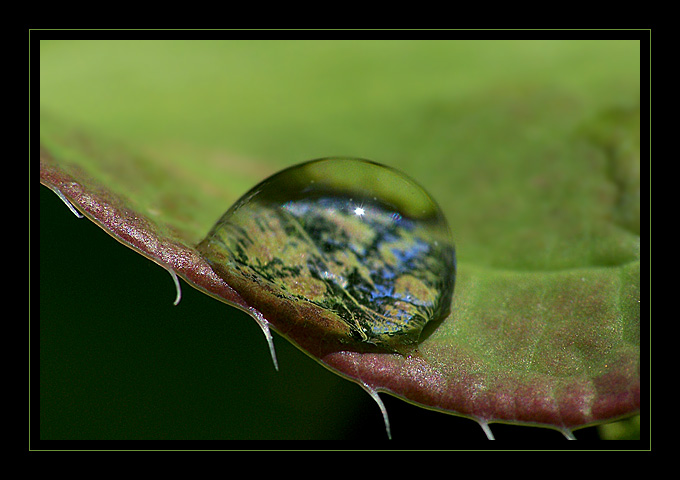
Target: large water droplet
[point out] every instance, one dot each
(361, 242)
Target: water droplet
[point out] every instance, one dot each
(361, 243)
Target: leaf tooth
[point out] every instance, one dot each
(67, 202)
(178, 297)
(487, 430)
(264, 325)
(374, 395)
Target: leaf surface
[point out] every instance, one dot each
(541, 190)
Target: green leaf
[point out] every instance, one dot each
(539, 180)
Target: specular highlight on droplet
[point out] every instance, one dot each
(361, 243)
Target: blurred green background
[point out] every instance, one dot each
(484, 125)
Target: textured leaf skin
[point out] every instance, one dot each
(552, 349)
(538, 365)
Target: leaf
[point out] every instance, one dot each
(544, 327)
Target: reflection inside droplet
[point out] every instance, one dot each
(360, 240)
